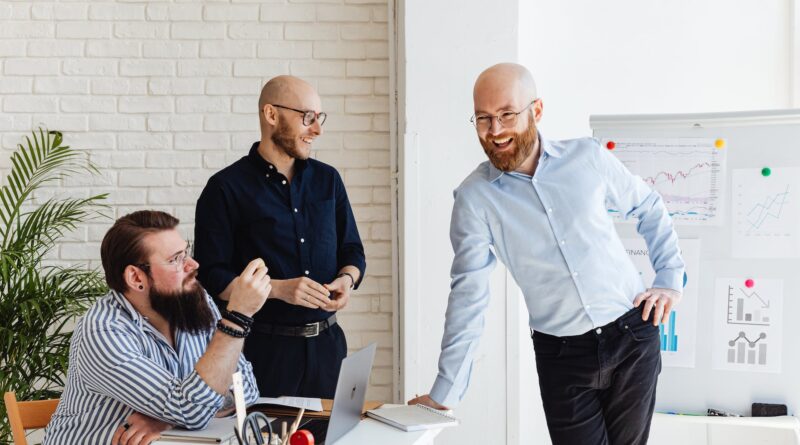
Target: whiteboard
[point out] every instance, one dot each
(754, 139)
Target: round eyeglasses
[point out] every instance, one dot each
(309, 117)
(176, 262)
(506, 119)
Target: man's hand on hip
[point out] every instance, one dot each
(660, 301)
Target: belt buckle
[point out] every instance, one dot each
(315, 331)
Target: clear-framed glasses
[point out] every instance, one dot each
(506, 119)
(176, 262)
(309, 117)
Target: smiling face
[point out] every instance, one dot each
(504, 90)
(284, 124)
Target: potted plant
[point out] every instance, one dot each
(39, 302)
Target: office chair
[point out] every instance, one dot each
(27, 415)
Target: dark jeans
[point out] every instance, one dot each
(297, 366)
(599, 388)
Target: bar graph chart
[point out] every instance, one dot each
(748, 308)
(742, 350)
(669, 340)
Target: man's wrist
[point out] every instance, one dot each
(349, 275)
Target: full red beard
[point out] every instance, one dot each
(283, 137)
(523, 147)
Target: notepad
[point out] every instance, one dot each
(413, 417)
(217, 431)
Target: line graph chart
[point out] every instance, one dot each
(688, 173)
(766, 213)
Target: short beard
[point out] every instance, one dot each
(185, 310)
(282, 137)
(524, 141)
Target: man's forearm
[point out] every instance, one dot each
(219, 362)
(352, 270)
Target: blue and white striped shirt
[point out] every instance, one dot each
(119, 363)
(554, 234)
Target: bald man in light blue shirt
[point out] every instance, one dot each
(541, 206)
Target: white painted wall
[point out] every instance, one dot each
(629, 57)
(443, 47)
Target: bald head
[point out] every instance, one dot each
(504, 84)
(283, 90)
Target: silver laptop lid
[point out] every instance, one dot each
(351, 390)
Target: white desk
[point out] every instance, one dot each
(669, 429)
(368, 432)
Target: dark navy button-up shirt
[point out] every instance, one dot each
(300, 228)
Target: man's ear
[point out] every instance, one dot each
(270, 114)
(135, 278)
(538, 109)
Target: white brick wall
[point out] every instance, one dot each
(163, 94)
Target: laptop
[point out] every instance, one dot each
(348, 401)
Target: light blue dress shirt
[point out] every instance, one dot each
(554, 234)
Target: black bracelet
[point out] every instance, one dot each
(237, 317)
(352, 280)
(225, 329)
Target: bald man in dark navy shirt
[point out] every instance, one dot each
(292, 211)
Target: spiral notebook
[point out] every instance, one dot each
(413, 417)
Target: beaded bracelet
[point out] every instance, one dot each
(225, 329)
(238, 318)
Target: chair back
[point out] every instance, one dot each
(27, 415)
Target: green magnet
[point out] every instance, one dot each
(766, 171)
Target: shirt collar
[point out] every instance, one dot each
(546, 149)
(127, 307)
(264, 166)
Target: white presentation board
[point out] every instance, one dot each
(732, 183)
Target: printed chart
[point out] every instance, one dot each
(678, 334)
(689, 173)
(766, 213)
(748, 324)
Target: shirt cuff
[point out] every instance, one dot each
(670, 279)
(442, 393)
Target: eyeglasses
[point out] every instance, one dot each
(309, 117)
(506, 119)
(176, 262)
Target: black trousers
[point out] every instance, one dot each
(297, 366)
(599, 388)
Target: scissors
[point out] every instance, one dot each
(254, 424)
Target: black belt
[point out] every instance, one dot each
(306, 330)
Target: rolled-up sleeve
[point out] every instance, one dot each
(113, 364)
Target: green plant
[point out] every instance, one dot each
(39, 302)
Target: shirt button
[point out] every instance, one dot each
(268, 175)
(574, 274)
(535, 180)
(283, 182)
(599, 330)
(588, 306)
(562, 242)
(306, 272)
(550, 210)
(302, 240)
(270, 167)
(295, 210)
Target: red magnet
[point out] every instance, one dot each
(749, 282)
(301, 437)
(610, 145)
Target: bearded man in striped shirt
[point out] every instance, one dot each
(155, 351)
